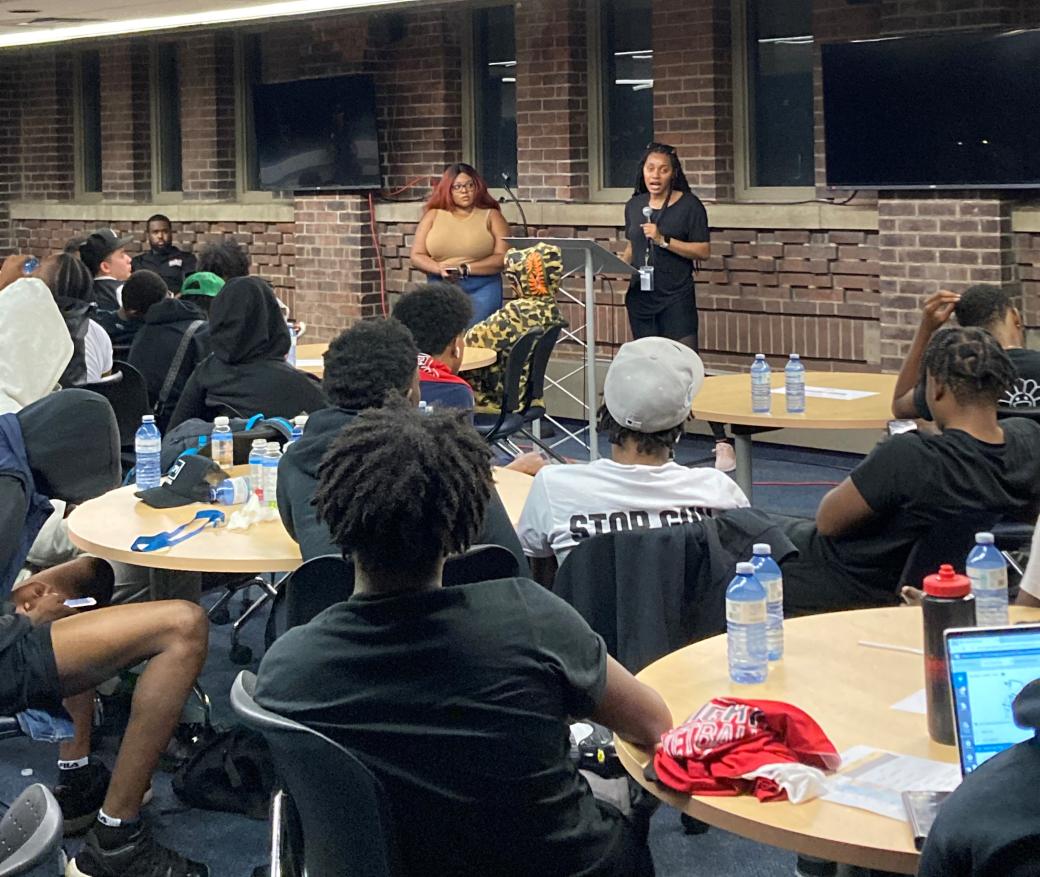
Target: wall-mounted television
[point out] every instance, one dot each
(315, 134)
(933, 112)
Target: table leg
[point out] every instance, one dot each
(742, 448)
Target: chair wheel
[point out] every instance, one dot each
(221, 616)
(241, 655)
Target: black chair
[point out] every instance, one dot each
(482, 563)
(30, 834)
(534, 405)
(948, 541)
(1028, 413)
(330, 814)
(497, 428)
(127, 393)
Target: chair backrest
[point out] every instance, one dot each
(1029, 413)
(343, 812)
(516, 365)
(948, 541)
(127, 393)
(540, 364)
(30, 832)
(482, 563)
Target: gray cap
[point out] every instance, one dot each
(651, 384)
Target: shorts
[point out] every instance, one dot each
(674, 317)
(29, 674)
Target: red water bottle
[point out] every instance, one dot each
(948, 602)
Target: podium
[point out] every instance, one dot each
(579, 256)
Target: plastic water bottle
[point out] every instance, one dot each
(988, 573)
(761, 385)
(256, 467)
(231, 491)
(222, 443)
(767, 571)
(746, 627)
(299, 423)
(148, 451)
(271, 460)
(794, 385)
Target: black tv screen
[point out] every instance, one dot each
(947, 111)
(317, 134)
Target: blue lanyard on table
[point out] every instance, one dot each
(167, 539)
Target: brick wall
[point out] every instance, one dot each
(207, 92)
(126, 156)
(10, 152)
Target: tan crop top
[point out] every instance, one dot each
(458, 239)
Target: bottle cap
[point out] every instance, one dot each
(150, 418)
(221, 421)
(760, 356)
(300, 420)
(984, 539)
(794, 356)
(273, 446)
(259, 443)
(745, 569)
(762, 549)
(947, 583)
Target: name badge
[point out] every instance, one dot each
(646, 278)
(175, 263)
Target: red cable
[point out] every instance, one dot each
(379, 252)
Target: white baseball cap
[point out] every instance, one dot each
(651, 383)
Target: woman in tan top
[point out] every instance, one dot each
(462, 238)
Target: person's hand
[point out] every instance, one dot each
(40, 603)
(651, 232)
(528, 463)
(447, 270)
(911, 596)
(938, 308)
(13, 269)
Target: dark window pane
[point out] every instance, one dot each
(628, 89)
(169, 118)
(250, 60)
(495, 93)
(90, 120)
(780, 100)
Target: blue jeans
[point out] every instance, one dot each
(485, 293)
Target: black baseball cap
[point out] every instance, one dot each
(99, 246)
(191, 478)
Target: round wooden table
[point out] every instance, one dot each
(108, 525)
(849, 690)
(727, 399)
(309, 358)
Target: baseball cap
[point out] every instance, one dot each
(651, 383)
(202, 283)
(99, 246)
(191, 477)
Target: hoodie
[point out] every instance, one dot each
(35, 346)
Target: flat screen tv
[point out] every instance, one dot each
(933, 112)
(315, 134)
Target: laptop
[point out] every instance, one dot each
(988, 667)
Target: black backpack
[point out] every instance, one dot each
(232, 771)
(185, 437)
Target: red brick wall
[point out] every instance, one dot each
(10, 151)
(126, 136)
(207, 92)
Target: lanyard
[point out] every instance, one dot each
(647, 257)
(167, 539)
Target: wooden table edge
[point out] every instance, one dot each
(787, 421)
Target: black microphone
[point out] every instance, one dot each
(516, 201)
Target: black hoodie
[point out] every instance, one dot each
(298, 479)
(247, 370)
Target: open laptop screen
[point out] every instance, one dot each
(988, 667)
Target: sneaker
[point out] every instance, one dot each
(136, 855)
(725, 457)
(81, 793)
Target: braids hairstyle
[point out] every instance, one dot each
(367, 361)
(435, 314)
(440, 198)
(679, 181)
(971, 363)
(646, 442)
(143, 289)
(983, 306)
(402, 490)
(70, 278)
(227, 259)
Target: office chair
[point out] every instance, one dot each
(30, 834)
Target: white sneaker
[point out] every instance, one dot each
(725, 457)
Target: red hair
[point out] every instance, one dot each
(440, 198)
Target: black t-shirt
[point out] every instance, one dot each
(1024, 394)
(990, 826)
(458, 700)
(913, 480)
(685, 220)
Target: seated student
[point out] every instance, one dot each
(143, 289)
(437, 315)
(866, 527)
(363, 365)
(104, 253)
(247, 370)
(647, 396)
(982, 306)
(200, 288)
(456, 698)
(225, 258)
(50, 653)
(990, 825)
(172, 341)
(29, 369)
(534, 275)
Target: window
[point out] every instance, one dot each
(494, 93)
(166, 119)
(626, 89)
(775, 85)
(88, 129)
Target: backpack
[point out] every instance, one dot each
(232, 771)
(185, 437)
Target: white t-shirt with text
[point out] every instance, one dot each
(571, 503)
(97, 352)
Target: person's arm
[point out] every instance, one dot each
(695, 250)
(632, 709)
(842, 510)
(543, 570)
(626, 254)
(935, 311)
(493, 264)
(12, 269)
(419, 256)
(1029, 588)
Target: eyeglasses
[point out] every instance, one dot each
(660, 147)
(463, 187)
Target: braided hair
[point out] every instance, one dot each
(367, 361)
(971, 363)
(70, 278)
(679, 181)
(402, 490)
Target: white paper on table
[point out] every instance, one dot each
(912, 703)
(309, 363)
(830, 393)
(872, 779)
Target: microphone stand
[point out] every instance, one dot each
(516, 201)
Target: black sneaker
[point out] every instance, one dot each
(135, 855)
(81, 793)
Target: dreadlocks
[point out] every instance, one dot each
(402, 490)
(971, 363)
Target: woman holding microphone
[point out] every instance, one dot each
(667, 230)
